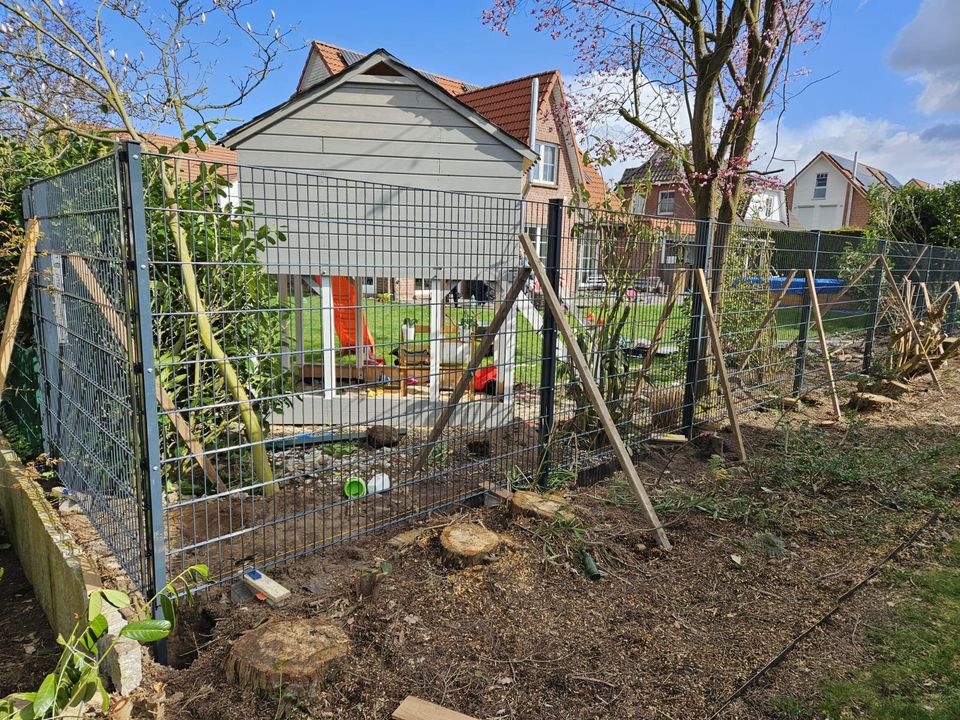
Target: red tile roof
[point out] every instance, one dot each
(333, 58)
(508, 103)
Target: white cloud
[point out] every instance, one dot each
(927, 47)
(932, 154)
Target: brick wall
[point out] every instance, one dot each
(548, 131)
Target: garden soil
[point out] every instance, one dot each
(527, 635)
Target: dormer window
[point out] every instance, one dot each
(545, 171)
(820, 187)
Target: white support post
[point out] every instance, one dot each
(329, 345)
(283, 288)
(436, 337)
(505, 355)
(298, 326)
(360, 351)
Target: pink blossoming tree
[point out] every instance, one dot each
(691, 77)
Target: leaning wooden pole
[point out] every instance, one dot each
(18, 294)
(908, 317)
(479, 353)
(771, 311)
(824, 346)
(593, 391)
(717, 347)
(248, 416)
(120, 331)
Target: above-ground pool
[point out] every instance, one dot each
(798, 286)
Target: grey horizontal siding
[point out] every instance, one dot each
(388, 133)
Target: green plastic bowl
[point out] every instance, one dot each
(355, 488)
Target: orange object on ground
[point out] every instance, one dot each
(345, 314)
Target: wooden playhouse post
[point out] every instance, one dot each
(329, 345)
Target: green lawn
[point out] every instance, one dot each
(384, 321)
(917, 672)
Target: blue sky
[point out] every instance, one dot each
(860, 100)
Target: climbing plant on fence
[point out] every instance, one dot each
(225, 240)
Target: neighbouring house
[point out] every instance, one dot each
(657, 189)
(830, 192)
(403, 133)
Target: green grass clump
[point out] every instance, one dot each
(917, 673)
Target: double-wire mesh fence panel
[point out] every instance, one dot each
(243, 364)
(86, 335)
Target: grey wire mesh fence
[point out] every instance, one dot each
(217, 341)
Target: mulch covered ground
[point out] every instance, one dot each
(29, 650)
(528, 635)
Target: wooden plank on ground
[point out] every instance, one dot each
(824, 346)
(413, 708)
(18, 294)
(717, 347)
(592, 391)
(479, 353)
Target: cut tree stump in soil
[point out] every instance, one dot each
(468, 543)
(870, 401)
(547, 507)
(295, 655)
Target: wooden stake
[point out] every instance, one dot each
(592, 391)
(18, 294)
(926, 297)
(913, 328)
(661, 324)
(717, 347)
(824, 347)
(479, 353)
(767, 317)
(856, 279)
(916, 262)
(119, 328)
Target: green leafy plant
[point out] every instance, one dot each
(76, 679)
(241, 316)
(624, 244)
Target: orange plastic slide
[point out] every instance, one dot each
(345, 314)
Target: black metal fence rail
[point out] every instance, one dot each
(216, 342)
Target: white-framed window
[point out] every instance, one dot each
(768, 208)
(538, 235)
(545, 171)
(638, 204)
(589, 262)
(666, 202)
(820, 187)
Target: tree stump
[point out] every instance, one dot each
(546, 507)
(468, 543)
(295, 655)
(870, 401)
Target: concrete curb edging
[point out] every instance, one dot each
(61, 575)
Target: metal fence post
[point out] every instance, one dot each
(548, 365)
(45, 336)
(144, 391)
(801, 361)
(696, 338)
(874, 307)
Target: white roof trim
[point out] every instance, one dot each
(240, 134)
